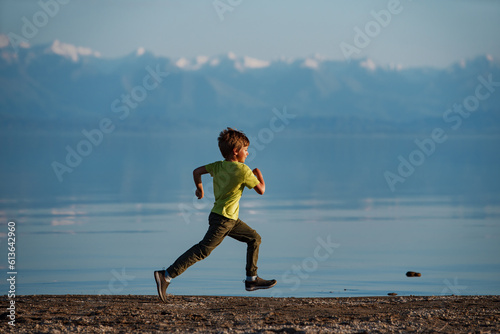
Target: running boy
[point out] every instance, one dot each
(230, 177)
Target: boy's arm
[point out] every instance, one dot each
(197, 173)
(261, 187)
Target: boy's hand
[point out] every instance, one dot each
(256, 172)
(261, 187)
(197, 173)
(199, 193)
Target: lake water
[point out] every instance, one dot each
(331, 225)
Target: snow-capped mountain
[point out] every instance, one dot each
(70, 51)
(62, 86)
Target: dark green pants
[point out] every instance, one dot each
(219, 228)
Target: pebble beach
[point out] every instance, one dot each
(215, 314)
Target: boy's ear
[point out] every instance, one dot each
(235, 152)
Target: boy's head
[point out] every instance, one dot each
(230, 140)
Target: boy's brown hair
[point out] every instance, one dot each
(230, 139)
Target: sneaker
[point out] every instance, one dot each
(161, 284)
(259, 283)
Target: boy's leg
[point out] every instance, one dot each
(244, 233)
(218, 229)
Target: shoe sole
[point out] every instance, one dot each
(158, 279)
(253, 288)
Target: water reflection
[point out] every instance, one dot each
(73, 248)
(128, 211)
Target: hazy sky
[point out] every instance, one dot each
(418, 32)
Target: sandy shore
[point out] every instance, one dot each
(202, 314)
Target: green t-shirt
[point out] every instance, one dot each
(230, 178)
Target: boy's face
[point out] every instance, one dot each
(241, 154)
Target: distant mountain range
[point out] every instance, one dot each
(61, 87)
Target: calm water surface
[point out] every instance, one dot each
(329, 222)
